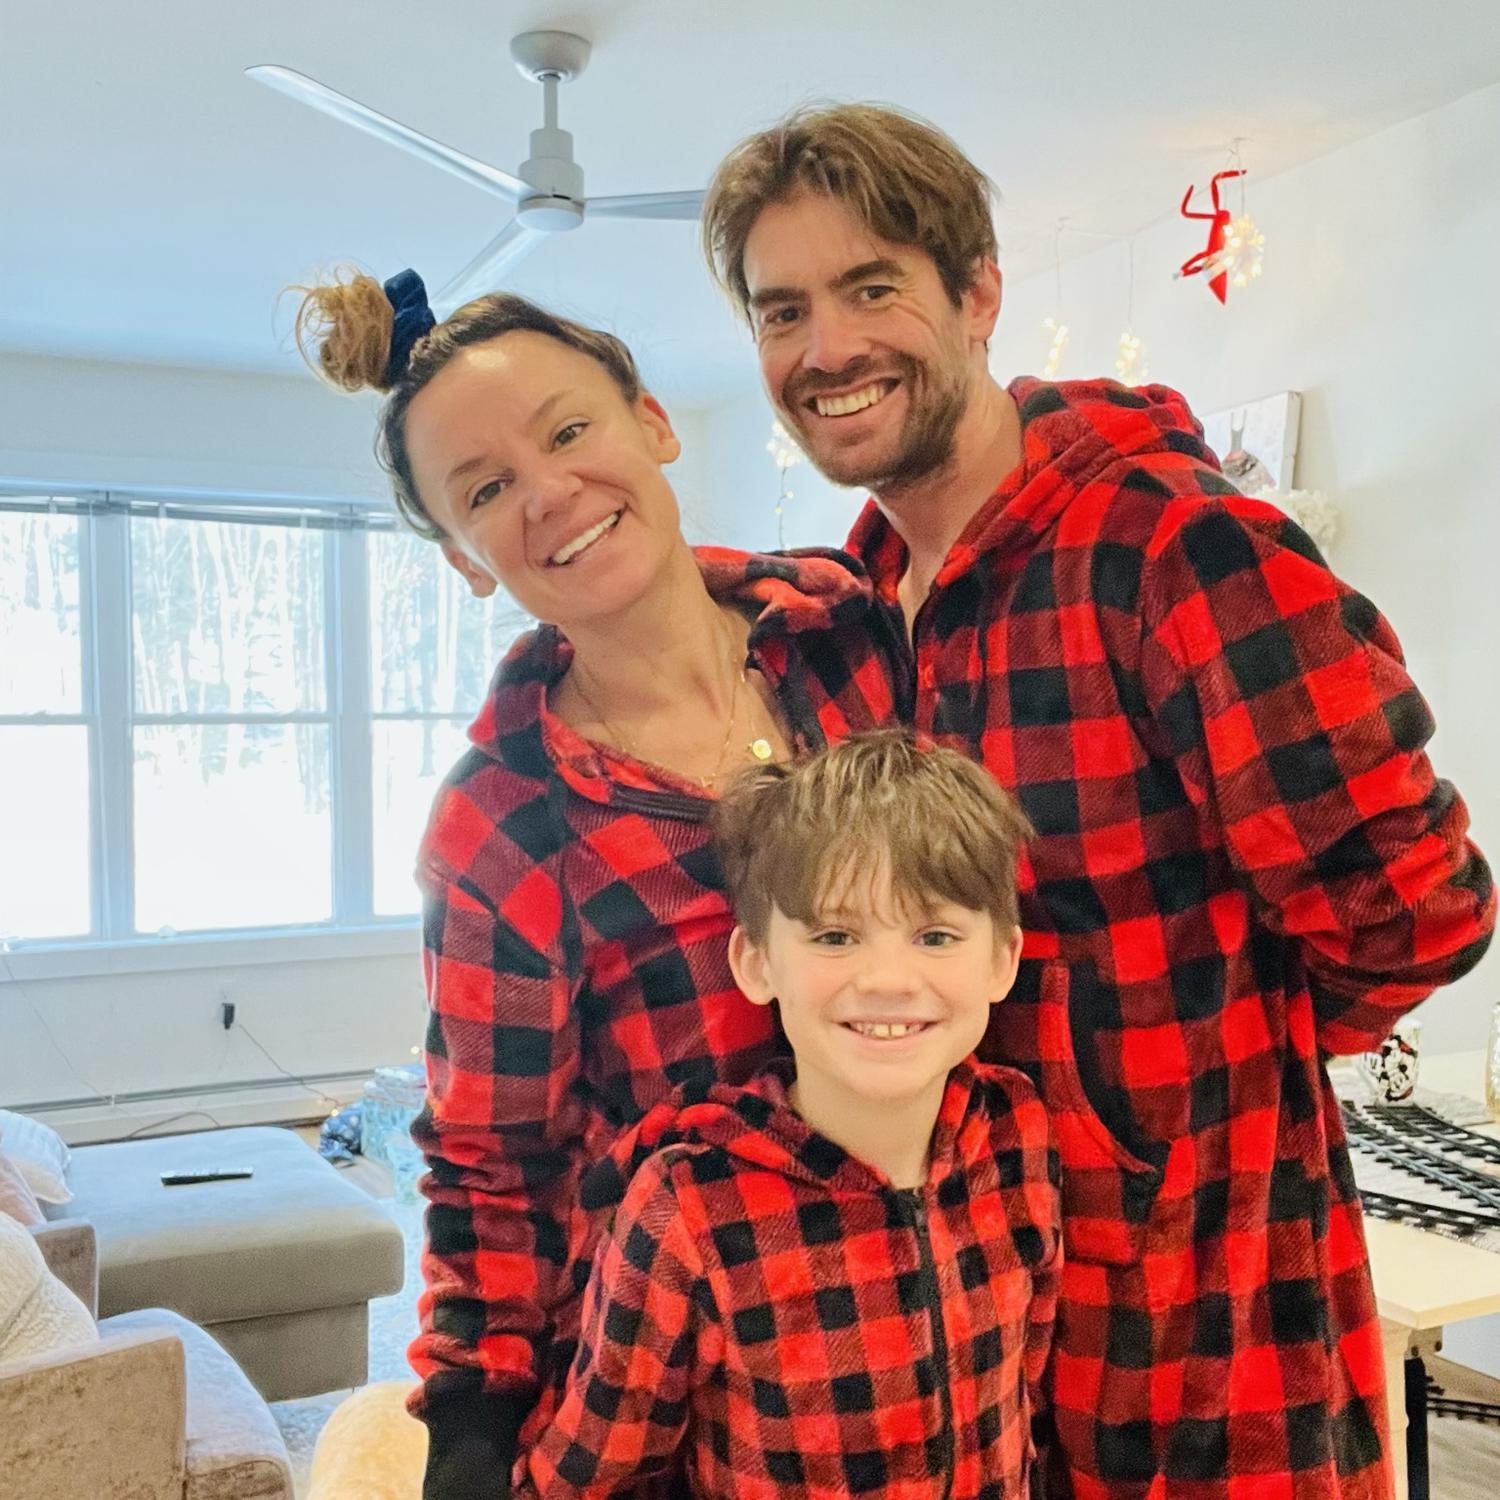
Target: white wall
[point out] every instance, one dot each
(332, 1019)
(142, 1030)
(1380, 304)
(83, 422)
(745, 484)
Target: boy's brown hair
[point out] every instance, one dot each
(901, 177)
(791, 837)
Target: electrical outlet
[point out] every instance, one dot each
(226, 1013)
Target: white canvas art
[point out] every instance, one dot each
(1256, 442)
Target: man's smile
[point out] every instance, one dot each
(846, 404)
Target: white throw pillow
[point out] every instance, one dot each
(41, 1154)
(17, 1201)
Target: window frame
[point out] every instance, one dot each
(108, 714)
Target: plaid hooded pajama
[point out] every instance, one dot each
(806, 1330)
(575, 957)
(1244, 862)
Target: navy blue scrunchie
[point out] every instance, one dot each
(411, 318)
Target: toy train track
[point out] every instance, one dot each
(1440, 1404)
(1412, 1120)
(1441, 1216)
(1391, 1145)
(1465, 1411)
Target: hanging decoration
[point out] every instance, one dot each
(1056, 329)
(785, 454)
(1059, 332)
(1130, 358)
(1130, 362)
(1233, 254)
(1241, 258)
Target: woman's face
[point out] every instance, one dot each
(545, 480)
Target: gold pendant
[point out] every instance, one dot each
(761, 750)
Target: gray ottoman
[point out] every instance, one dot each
(278, 1267)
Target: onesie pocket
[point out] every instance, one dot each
(1108, 1188)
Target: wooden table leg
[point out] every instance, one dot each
(1395, 1339)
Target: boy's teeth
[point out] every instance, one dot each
(573, 548)
(886, 1030)
(841, 406)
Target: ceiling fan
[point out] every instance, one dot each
(546, 189)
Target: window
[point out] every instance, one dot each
(223, 717)
(230, 725)
(45, 724)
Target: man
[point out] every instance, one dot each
(1243, 859)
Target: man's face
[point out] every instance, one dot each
(863, 353)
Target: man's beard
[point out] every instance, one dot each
(924, 444)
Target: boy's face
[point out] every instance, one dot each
(877, 1002)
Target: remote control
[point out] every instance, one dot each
(206, 1174)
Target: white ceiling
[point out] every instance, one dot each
(153, 200)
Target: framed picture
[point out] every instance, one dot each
(1256, 442)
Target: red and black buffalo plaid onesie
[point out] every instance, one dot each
(805, 1329)
(1245, 861)
(575, 940)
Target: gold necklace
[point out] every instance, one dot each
(760, 748)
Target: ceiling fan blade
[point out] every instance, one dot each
(351, 112)
(646, 206)
(484, 273)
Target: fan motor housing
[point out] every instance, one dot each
(550, 212)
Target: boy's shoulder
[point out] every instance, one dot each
(1010, 1103)
(673, 1179)
(651, 1200)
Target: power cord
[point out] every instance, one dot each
(296, 1078)
(41, 1019)
(187, 1114)
(109, 1097)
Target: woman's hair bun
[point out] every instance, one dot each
(343, 330)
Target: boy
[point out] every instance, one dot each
(840, 1278)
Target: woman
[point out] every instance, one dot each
(575, 925)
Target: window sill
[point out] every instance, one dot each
(209, 950)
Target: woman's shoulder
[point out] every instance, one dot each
(492, 832)
(493, 821)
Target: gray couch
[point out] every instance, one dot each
(154, 1411)
(279, 1268)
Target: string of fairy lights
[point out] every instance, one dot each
(785, 454)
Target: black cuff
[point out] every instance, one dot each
(471, 1443)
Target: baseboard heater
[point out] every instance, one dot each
(251, 1101)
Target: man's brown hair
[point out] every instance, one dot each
(794, 836)
(901, 177)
